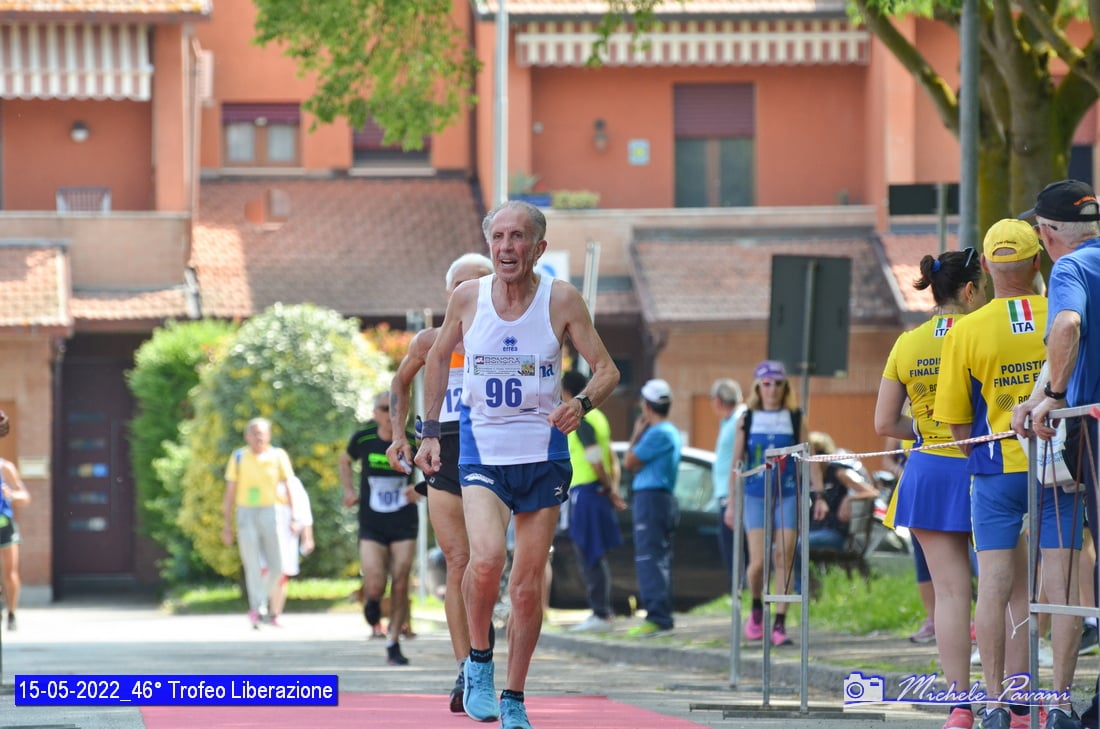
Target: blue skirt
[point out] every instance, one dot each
(934, 494)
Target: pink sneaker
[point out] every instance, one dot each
(779, 636)
(754, 629)
(925, 634)
(254, 619)
(959, 719)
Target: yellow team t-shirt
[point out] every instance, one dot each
(257, 475)
(991, 360)
(915, 363)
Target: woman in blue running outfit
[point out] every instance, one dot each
(772, 420)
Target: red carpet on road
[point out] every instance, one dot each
(401, 711)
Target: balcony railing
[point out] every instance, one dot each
(83, 199)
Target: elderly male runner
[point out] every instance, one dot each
(514, 455)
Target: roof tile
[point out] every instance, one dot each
(905, 251)
(35, 280)
(121, 7)
(118, 306)
(363, 247)
(719, 281)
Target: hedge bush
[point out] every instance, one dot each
(312, 374)
(165, 369)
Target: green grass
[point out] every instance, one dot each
(306, 595)
(889, 604)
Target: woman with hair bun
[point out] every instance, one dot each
(933, 497)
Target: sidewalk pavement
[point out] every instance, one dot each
(118, 637)
(702, 642)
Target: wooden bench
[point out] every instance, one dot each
(853, 554)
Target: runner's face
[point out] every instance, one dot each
(771, 392)
(513, 251)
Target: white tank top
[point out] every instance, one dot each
(512, 383)
(452, 399)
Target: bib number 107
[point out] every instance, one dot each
(506, 393)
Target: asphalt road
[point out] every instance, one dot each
(91, 638)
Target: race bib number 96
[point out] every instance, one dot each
(509, 382)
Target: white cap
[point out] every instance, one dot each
(657, 391)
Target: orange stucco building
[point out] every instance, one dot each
(155, 164)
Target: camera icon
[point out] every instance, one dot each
(860, 689)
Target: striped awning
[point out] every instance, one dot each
(75, 61)
(699, 43)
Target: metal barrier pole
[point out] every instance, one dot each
(765, 595)
(737, 493)
(804, 500)
(771, 483)
(799, 453)
(1032, 560)
(1034, 606)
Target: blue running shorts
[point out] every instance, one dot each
(999, 508)
(522, 487)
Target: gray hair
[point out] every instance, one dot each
(259, 423)
(382, 398)
(467, 259)
(1074, 232)
(536, 220)
(726, 390)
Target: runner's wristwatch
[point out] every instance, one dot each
(1052, 394)
(586, 404)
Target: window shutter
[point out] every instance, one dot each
(708, 111)
(273, 113)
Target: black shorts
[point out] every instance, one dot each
(9, 534)
(447, 478)
(398, 526)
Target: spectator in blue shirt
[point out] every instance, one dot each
(654, 456)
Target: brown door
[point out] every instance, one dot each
(94, 489)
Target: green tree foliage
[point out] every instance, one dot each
(1028, 115)
(638, 15)
(403, 63)
(165, 369)
(310, 372)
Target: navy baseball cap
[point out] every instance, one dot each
(1066, 201)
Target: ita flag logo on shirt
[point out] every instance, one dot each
(943, 324)
(1020, 317)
